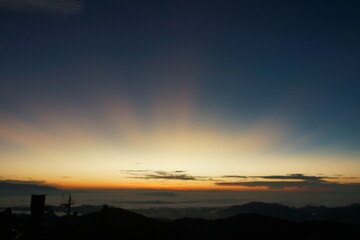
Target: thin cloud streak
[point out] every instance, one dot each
(163, 175)
(30, 182)
(297, 176)
(302, 186)
(275, 182)
(299, 181)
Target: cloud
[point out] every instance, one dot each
(24, 187)
(166, 175)
(23, 182)
(58, 6)
(273, 184)
(175, 175)
(305, 185)
(299, 181)
(295, 177)
(233, 176)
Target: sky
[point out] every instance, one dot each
(227, 95)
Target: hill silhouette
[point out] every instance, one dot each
(266, 209)
(349, 214)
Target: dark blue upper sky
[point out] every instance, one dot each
(242, 60)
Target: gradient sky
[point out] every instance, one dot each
(180, 94)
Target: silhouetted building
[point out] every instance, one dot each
(37, 209)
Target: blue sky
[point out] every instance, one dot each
(272, 68)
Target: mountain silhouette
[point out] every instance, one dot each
(117, 223)
(255, 226)
(110, 222)
(266, 209)
(115, 217)
(349, 214)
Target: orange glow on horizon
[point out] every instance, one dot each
(189, 186)
(73, 149)
(88, 184)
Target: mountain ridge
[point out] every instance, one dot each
(117, 223)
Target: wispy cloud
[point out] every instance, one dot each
(170, 175)
(275, 184)
(297, 176)
(30, 182)
(278, 182)
(58, 6)
(165, 175)
(234, 176)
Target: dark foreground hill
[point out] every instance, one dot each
(116, 223)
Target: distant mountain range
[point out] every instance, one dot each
(266, 209)
(117, 223)
(348, 214)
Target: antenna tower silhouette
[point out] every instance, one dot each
(67, 203)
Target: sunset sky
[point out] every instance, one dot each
(229, 95)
